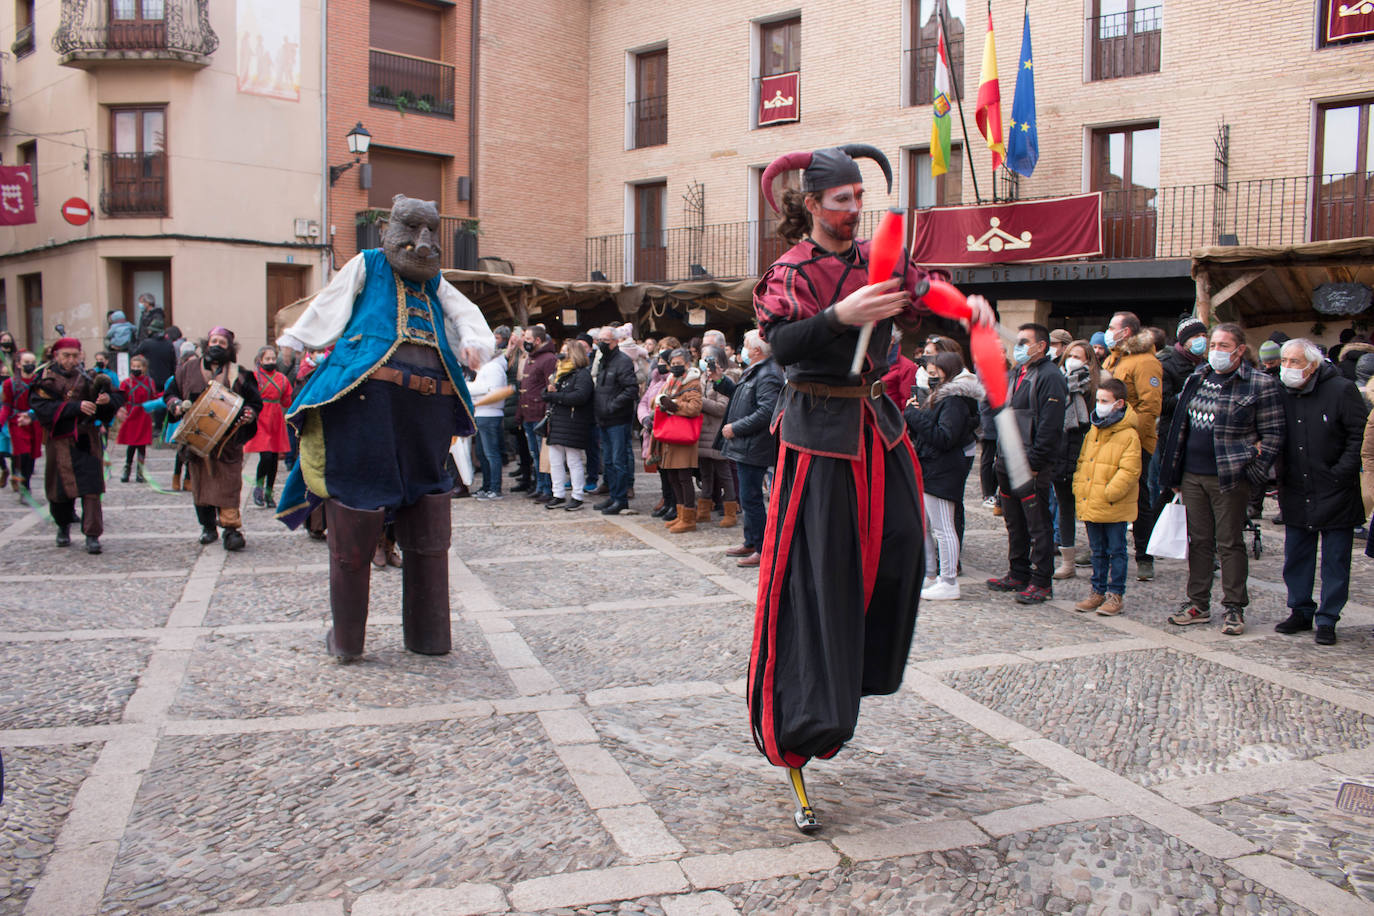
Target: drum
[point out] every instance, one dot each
(205, 426)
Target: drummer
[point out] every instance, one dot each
(217, 481)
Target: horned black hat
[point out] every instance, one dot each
(825, 168)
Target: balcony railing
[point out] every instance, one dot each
(92, 31)
(650, 119)
(410, 84)
(1141, 223)
(135, 184)
(1125, 44)
(921, 68)
(457, 238)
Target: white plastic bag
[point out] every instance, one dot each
(1170, 535)
(461, 450)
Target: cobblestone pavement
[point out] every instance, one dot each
(176, 740)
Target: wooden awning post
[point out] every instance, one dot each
(1203, 307)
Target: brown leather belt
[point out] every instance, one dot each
(816, 389)
(420, 383)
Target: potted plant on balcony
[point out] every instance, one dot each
(368, 224)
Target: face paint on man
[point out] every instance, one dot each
(839, 210)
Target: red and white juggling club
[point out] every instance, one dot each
(883, 254)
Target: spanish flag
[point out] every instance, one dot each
(989, 112)
(939, 127)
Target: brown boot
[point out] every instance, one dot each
(686, 520)
(730, 516)
(1111, 606)
(423, 532)
(704, 507)
(379, 555)
(353, 536)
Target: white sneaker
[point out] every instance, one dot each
(928, 581)
(941, 591)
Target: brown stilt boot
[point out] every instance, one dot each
(423, 532)
(686, 520)
(704, 507)
(730, 518)
(353, 536)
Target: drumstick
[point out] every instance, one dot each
(883, 253)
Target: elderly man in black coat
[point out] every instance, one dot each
(747, 440)
(1319, 486)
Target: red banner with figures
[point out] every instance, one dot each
(1349, 19)
(779, 98)
(16, 195)
(1024, 231)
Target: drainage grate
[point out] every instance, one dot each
(1356, 799)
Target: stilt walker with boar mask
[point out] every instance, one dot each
(842, 565)
(376, 419)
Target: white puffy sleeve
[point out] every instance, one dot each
(464, 324)
(325, 318)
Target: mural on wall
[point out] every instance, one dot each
(269, 42)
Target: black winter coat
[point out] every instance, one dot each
(617, 390)
(570, 410)
(749, 415)
(1039, 404)
(1177, 367)
(1319, 467)
(940, 433)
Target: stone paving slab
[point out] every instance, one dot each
(1091, 867)
(586, 532)
(1346, 664)
(1120, 710)
(944, 630)
(556, 583)
(94, 604)
(633, 647)
(71, 682)
(264, 820)
(40, 783)
(695, 763)
(41, 557)
(281, 673)
(286, 597)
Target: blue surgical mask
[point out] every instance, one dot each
(1198, 345)
(1109, 338)
(1021, 353)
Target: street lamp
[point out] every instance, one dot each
(358, 142)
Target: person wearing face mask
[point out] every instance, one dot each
(1081, 375)
(1319, 486)
(1226, 433)
(1038, 395)
(101, 364)
(9, 354)
(1104, 487)
(69, 402)
(1059, 342)
(659, 377)
(681, 397)
(270, 442)
(571, 425)
(901, 372)
(617, 390)
(540, 364)
(1176, 363)
(137, 429)
(1133, 361)
(26, 436)
(217, 480)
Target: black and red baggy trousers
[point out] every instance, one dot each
(839, 584)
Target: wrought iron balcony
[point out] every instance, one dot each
(1137, 224)
(95, 32)
(410, 84)
(135, 184)
(1125, 44)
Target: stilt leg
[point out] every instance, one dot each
(804, 817)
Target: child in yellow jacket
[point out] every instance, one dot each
(1104, 489)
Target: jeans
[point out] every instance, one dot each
(1216, 525)
(615, 460)
(489, 435)
(751, 501)
(1300, 567)
(594, 466)
(543, 483)
(1108, 543)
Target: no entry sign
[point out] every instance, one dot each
(76, 211)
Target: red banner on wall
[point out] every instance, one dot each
(1349, 19)
(779, 98)
(16, 196)
(1033, 230)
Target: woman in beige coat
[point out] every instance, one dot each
(681, 397)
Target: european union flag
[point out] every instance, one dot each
(1023, 146)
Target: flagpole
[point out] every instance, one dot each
(959, 99)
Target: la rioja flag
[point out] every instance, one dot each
(940, 108)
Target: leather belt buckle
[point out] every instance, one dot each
(424, 384)
(875, 390)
